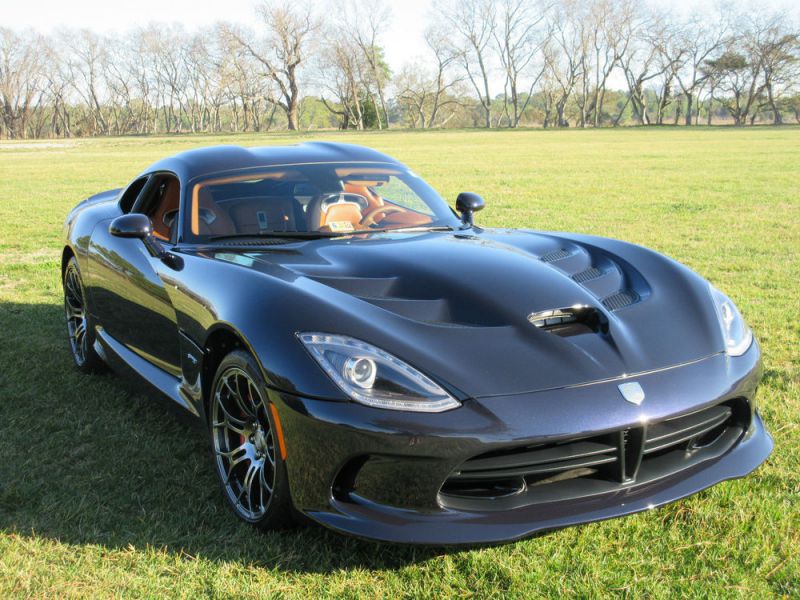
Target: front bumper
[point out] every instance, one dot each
(378, 474)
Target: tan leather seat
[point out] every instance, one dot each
(212, 220)
(266, 213)
(163, 218)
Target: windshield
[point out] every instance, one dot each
(316, 199)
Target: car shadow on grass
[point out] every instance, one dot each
(89, 460)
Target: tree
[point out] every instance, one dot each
(643, 61)
(425, 94)
(473, 23)
(362, 22)
(21, 80)
(289, 32)
(702, 37)
(779, 53)
(519, 39)
(737, 77)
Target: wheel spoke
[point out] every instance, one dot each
(255, 397)
(73, 287)
(250, 476)
(266, 485)
(270, 453)
(74, 305)
(229, 421)
(238, 399)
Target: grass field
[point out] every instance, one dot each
(103, 493)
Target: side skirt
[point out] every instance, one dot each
(118, 357)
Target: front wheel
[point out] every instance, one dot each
(79, 330)
(244, 438)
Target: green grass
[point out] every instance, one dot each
(103, 492)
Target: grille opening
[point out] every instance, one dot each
(531, 466)
(495, 489)
(582, 467)
(709, 438)
(563, 476)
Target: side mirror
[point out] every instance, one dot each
(132, 225)
(468, 203)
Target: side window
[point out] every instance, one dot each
(397, 192)
(129, 195)
(160, 202)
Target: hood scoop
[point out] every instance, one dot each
(569, 321)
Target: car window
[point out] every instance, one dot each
(129, 196)
(397, 192)
(324, 197)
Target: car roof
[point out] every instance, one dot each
(215, 159)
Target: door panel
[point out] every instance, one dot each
(129, 298)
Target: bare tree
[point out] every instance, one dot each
(702, 37)
(565, 57)
(778, 49)
(520, 37)
(608, 40)
(289, 32)
(87, 59)
(643, 62)
(341, 77)
(473, 23)
(362, 23)
(426, 94)
(21, 80)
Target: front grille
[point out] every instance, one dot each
(588, 466)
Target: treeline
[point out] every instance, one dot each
(488, 63)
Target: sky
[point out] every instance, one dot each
(402, 40)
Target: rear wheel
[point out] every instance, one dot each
(245, 443)
(79, 329)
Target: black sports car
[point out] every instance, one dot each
(358, 353)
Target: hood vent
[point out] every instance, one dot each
(556, 255)
(569, 321)
(620, 300)
(587, 275)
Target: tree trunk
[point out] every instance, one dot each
(291, 116)
(689, 109)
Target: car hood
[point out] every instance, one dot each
(469, 309)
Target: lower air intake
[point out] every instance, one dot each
(588, 466)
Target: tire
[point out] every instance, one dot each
(246, 451)
(80, 329)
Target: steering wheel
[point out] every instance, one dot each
(341, 198)
(369, 218)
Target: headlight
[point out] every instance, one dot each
(371, 376)
(737, 334)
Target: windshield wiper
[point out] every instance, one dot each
(414, 229)
(298, 235)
